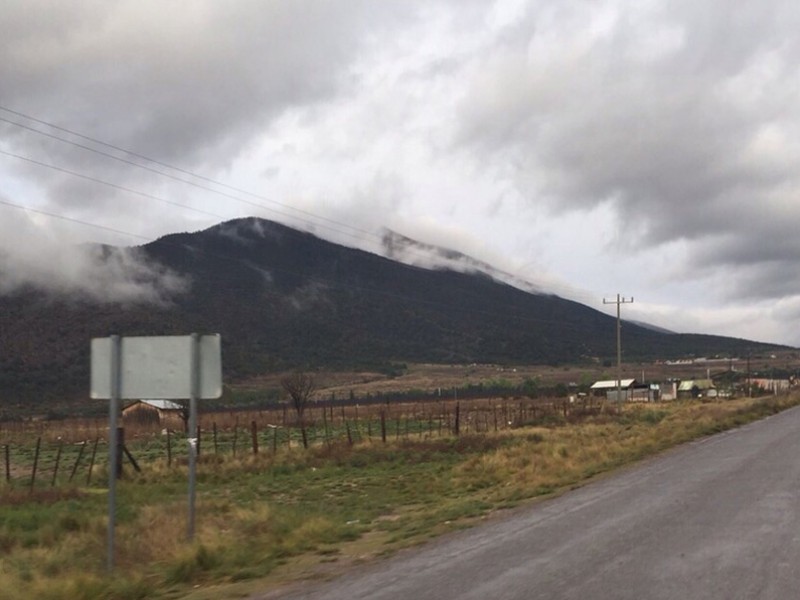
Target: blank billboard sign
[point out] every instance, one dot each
(158, 367)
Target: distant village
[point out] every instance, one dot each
(634, 391)
(727, 384)
(732, 380)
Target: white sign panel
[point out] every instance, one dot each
(158, 367)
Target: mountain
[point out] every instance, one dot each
(283, 298)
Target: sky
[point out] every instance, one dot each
(593, 148)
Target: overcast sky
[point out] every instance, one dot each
(648, 148)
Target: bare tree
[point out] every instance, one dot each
(300, 386)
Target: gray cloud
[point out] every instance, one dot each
(681, 114)
(186, 83)
(461, 123)
(191, 84)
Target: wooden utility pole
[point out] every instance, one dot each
(749, 381)
(619, 302)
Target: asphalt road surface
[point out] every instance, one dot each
(717, 518)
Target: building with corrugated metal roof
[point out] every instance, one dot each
(608, 389)
(154, 414)
(696, 388)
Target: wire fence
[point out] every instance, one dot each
(75, 451)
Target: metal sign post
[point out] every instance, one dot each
(194, 373)
(154, 367)
(113, 459)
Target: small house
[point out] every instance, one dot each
(609, 389)
(773, 386)
(645, 392)
(668, 390)
(161, 414)
(696, 388)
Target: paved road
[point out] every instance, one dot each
(718, 518)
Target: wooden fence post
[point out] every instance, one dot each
(55, 466)
(254, 436)
(457, 422)
(304, 434)
(349, 434)
(325, 426)
(77, 461)
(169, 448)
(132, 459)
(35, 461)
(8, 463)
(91, 462)
(120, 446)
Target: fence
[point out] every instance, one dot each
(50, 453)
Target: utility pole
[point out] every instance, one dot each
(749, 381)
(619, 302)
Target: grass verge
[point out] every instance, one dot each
(267, 519)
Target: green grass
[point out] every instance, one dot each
(269, 518)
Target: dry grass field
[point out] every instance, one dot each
(287, 513)
(433, 376)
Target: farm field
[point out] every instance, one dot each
(426, 377)
(269, 511)
(418, 380)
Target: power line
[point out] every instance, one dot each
(115, 186)
(327, 282)
(355, 231)
(72, 220)
(352, 231)
(156, 171)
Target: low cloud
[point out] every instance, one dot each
(33, 257)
